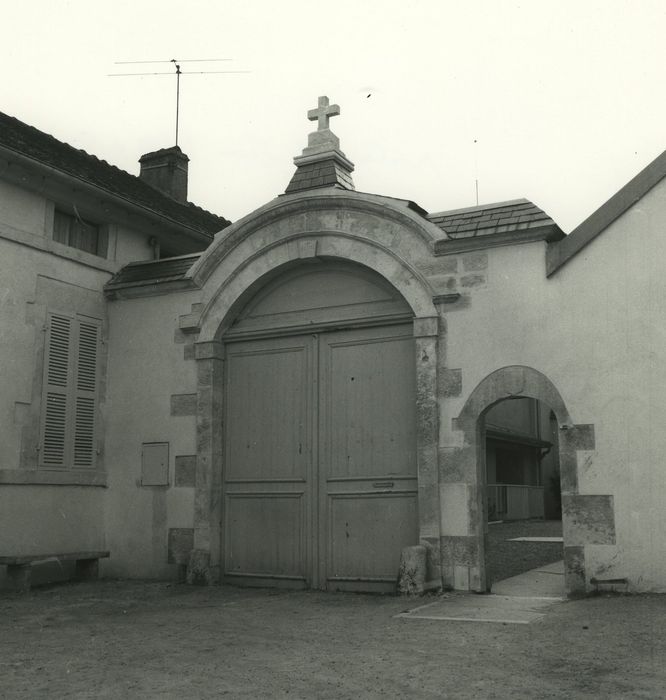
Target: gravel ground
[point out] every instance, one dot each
(505, 559)
(146, 640)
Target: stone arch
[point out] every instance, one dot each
(252, 272)
(398, 223)
(514, 381)
(507, 382)
(259, 250)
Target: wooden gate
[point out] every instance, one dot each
(319, 484)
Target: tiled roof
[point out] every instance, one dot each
(322, 173)
(44, 148)
(486, 219)
(152, 271)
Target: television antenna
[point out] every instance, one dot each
(178, 72)
(476, 170)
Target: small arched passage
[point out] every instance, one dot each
(522, 491)
(504, 383)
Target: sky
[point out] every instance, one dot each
(561, 102)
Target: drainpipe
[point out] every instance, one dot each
(155, 245)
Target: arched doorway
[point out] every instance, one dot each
(319, 476)
(521, 381)
(523, 514)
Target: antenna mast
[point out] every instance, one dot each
(476, 172)
(173, 60)
(178, 73)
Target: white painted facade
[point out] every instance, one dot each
(593, 330)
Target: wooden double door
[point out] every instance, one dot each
(319, 480)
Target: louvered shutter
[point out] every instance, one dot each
(57, 373)
(85, 399)
(69, 404)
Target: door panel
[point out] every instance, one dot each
(266, 534)
(320, 295)
(367, 531)
(368, 387)
(268, 460)
(268, 391)
(368, 461)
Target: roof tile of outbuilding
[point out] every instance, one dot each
(152, 271)
(486, 219)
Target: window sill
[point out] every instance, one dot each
(52, 477)
(50, 246)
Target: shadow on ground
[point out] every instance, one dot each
(505, 558)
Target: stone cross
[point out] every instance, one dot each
(322, 113)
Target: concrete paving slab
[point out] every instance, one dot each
(470, 607)
(518, 600)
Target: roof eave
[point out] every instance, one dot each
(49, 170)
(595, 224)
(546, 232)
(148, 288)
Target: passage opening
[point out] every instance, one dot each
(523, 514)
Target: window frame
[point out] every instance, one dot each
(76, 231)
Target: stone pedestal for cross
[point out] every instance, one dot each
(322, 163)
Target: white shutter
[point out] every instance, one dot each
(57, 374)
(85, 393)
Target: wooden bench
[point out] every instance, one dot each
(18, 567)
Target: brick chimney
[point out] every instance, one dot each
(166, 170)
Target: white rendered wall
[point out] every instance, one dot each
(596, 329)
